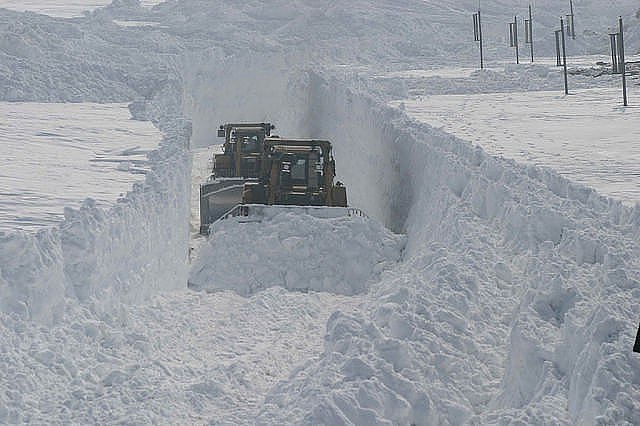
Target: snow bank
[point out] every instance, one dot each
(517, 284)
(111, 255)
(296, 251)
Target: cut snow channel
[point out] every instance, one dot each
(186, 358)
(55, 155)
(588, 136)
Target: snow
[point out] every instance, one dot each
(513, 300)
(134, 365)
(296, 251)
(587, 136)
(56, 154)
(62, 8)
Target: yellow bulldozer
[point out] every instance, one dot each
(257, 170)
(240, 160)
(243, 146)
(296, 172)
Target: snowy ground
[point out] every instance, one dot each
(588, 136)
(62, 8)
(182, 358)
(55, 155)
(513, 300)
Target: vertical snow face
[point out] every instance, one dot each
(263, 87)
(121, 254)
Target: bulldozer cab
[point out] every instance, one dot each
(297, 172)
(300, 169)
(242, 149)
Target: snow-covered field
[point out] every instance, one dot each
(62, 8)
(56, 155)
(588, 136)
(507, 293)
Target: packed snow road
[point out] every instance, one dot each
(183, 358)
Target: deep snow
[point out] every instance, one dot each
(587, 136)
(57, 154)
(514, 300)
(63, 9)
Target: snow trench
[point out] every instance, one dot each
(515, 301)
(550, 267)
(517, 294)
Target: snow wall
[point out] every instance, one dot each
(549, 266)
(568, 254)
(109, 256)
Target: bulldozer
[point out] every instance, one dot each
(296, 172)
(292, 173)
(243, 146)
(240, 161)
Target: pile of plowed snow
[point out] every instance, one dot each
(296, 251)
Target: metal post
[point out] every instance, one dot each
(564, 58)
(515, 36)
(558, 53)
(622, 62)
(531, 31)
(573, 23)
(615, 68)
(477, 34)
(480, 32)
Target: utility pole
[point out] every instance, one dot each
(564, 57)
(477, 34)
(622, 62)
(528, 32)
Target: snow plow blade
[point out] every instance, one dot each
(245, 213)
(218, 197)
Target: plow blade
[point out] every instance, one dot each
(217, 197)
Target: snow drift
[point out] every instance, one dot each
(296, 251)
